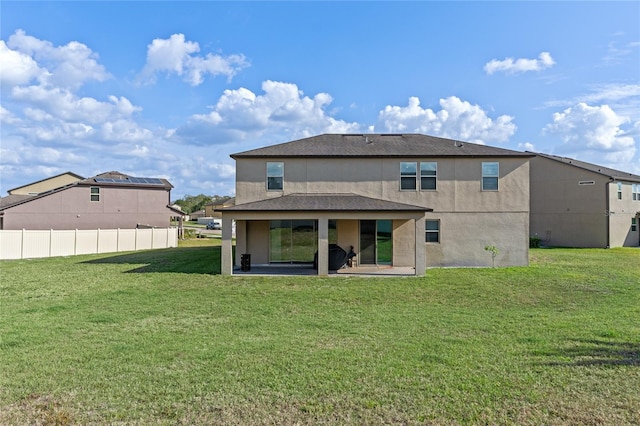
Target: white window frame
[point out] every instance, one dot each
(94, 192)
(635, 189)
(619, 190)
(435, 232)
(634, 224)
(491, 176)
(408, 175)
(271, 175)
(424, 175)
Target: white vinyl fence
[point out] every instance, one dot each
(27, 244)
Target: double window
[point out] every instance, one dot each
(275, 176)
(409, 176)
(432, 231)
(490, 176)
(95, 193)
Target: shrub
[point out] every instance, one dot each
(534, 242)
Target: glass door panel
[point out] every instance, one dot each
(304, 240)
(384, 242)
(367, 242)
(280, 241)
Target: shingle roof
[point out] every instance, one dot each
(379, 145)
(13, 199)
(324, 202)
(605, 171)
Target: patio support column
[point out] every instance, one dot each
(323, 246)
(421, 251)
(226, 257)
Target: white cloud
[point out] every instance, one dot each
(174, 56)
(515, 66)
(596, 134)
(17, 68)
(457, 120)
(282, 109)
(527, 146)
(68, 66)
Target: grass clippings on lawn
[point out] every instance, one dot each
(158, 337)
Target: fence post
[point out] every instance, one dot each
(98, 241)
(50, 240)
(75, 242)
(22, 244)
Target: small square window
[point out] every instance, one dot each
(432, 231)
(95, 193)
(490, 176)
(275, 176)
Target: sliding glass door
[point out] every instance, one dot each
(292, 241)
(376, 242)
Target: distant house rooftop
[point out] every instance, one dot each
(605, 171)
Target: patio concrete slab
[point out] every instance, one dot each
(308, 270)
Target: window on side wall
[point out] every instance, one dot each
(408, 176)
(635, 190)
(619, 190)
(634, 224)
(275, 176)
(432, 231)
(95, 193)
(428, 176)
(490, 176)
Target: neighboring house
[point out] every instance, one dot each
(106, 201)
(578, 204)
(406, 200)
(215, 209)
(196, 215)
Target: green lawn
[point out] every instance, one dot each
(157, 337)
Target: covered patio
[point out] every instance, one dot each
(274, 231)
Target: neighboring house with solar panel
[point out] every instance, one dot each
(107, 201)
(579, 204)
(405, 200)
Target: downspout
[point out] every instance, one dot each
(608, 204)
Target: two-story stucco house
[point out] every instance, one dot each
(108, 201)
(579, 204)
(407, 200)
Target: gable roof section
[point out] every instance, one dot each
(70, 174)
(324, 202)
(378, 145)
(605, 171)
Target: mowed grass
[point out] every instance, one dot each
(158, 337)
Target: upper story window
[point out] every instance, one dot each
(428, 176)
(619, 190)
(635, 189)
(490, 176)
(275, 176)
(95, 193)
(408, 176)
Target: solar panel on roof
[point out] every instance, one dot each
(131, 181)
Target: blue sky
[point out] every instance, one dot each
(171, 89)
